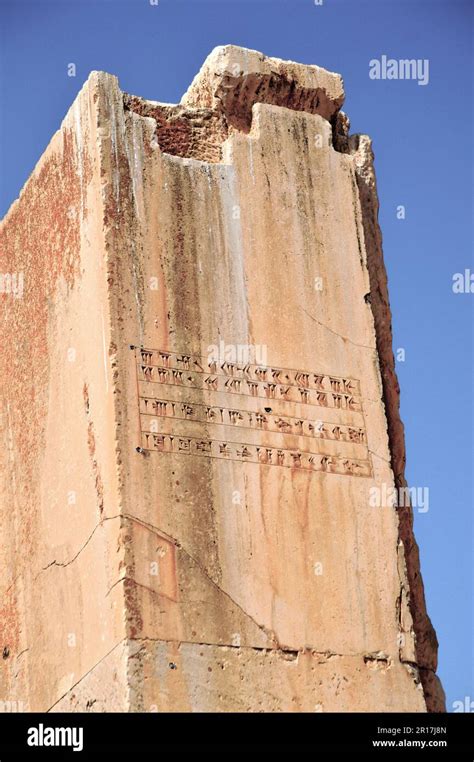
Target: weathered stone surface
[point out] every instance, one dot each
(233, 79)
(184, 535)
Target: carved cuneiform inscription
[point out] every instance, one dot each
(249, 453)
(274, 408)
(281, 424)
(174, 369)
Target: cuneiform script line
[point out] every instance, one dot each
(329, 400)
(253, 372)
(252, 421)
(258, 454)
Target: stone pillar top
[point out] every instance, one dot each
(232, 79)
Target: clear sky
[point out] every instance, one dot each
(423, 136)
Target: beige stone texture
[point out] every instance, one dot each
(197, 559)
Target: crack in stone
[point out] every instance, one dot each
(123, 640)
(381, 457)
(268, 634)
(339, 335)
(309, 650)
(67, 563)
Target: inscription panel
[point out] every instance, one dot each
(281, 417)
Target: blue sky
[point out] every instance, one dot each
(423, 146)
